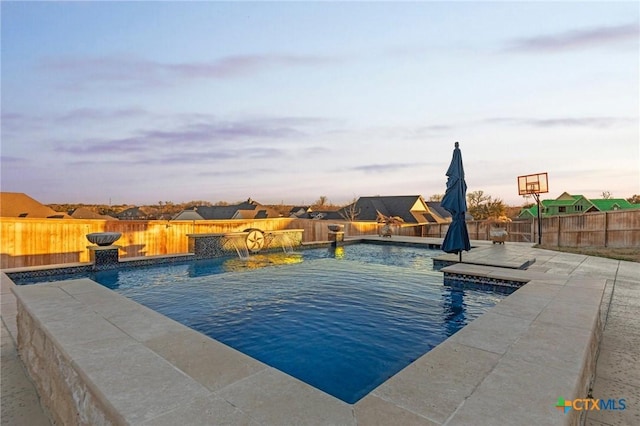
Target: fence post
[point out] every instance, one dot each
(606, 229)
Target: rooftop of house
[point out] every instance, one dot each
(18, 204)
(249, 209)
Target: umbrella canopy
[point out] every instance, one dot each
(455, 202)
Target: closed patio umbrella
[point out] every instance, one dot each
(455, 202)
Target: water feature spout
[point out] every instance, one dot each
(240, 245)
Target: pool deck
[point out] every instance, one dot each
(524, 354)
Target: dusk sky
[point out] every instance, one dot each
(140, 102)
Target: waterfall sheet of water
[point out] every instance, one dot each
(241, 247)
(287, 243)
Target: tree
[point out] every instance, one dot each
(606, 195)
(482, 206)
(475, 202)
(635, 199)
(321, 201)
(350, 212)
(436, 197)
(496, 208)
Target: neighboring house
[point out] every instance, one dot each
(575, 204)
(85, 213)
(411, 209)
(18, 204)
(247, 210)
(138, 213)
(438, 214)
(300, 212)
(326, 215)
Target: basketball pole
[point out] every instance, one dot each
(537, 197)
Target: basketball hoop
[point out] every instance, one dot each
(534, 185)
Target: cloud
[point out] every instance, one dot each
(10, 160)
(18, 122)
(197, 136)
(197, 140)
(576, 39)
(97, 114)
(384, 168)
(131, 71)
(592, 122)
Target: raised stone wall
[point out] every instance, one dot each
(63, 392)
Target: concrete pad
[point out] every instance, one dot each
(19, 399)
(628, 311)
(211, 363)
(608, 389)
(622, 323)
(434, 385)
(627, 294)
(273, 398)
(376, 411)
(618, 366)
(9, 310)
(628, 271)
(590, 422)
(13, 377)
(623, 341)
(17, 409)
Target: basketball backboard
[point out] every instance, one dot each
(533, 184)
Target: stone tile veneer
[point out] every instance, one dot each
(206, 246)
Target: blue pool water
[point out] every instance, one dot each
(343, 321)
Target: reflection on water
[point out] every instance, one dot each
(454, 309)
(336, 252)
(109, 278)
(256, 261)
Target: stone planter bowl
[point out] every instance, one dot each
(103, 238)
(336, 228)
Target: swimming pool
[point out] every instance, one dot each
(342, 320)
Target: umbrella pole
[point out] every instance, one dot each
(460, 254)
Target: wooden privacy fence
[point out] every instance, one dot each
(615, 229)
(28, 242)
(33, 242)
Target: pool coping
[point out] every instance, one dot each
(504, 367)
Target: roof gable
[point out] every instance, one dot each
(85, 213)
(18, 204)
(245, 210)
(608, 204)
(410, 208)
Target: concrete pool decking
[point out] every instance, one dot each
(507, 367)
